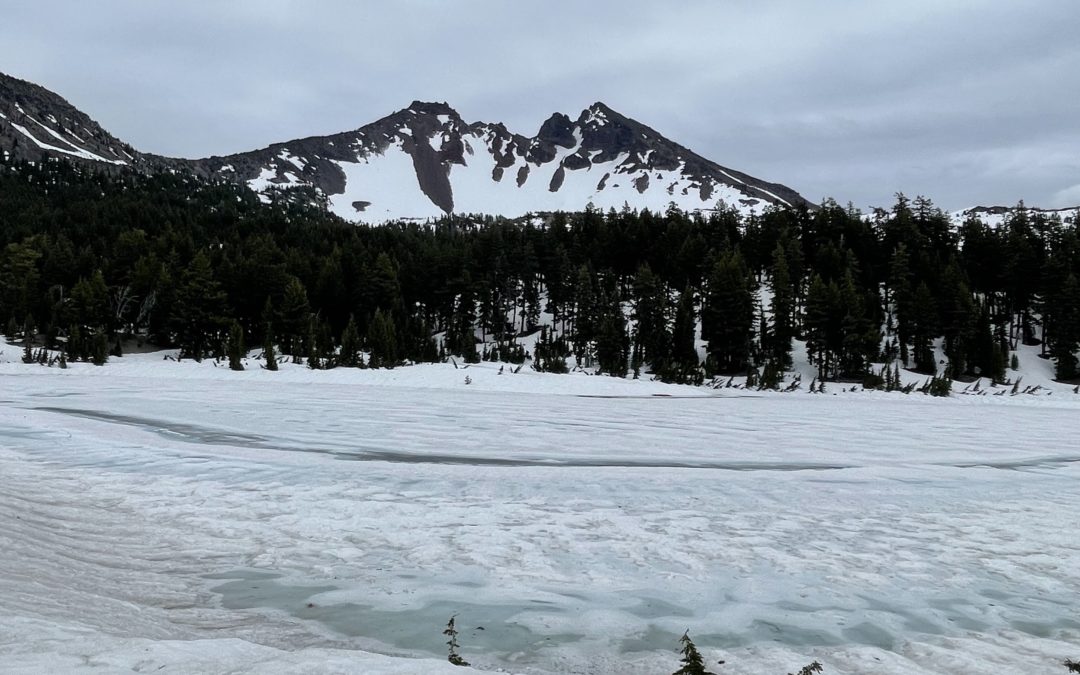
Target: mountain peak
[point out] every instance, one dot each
(431, 108)
(598, 114)
(424, 161)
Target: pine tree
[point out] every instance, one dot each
(1066, 334)
(771, 376)
(547, 356)
(99, 354)
(76, 345)
(612, 342)
(684, 367)
(197, 317)
(324, 345)
(268, 337)
(382, 341)
(986, 358)
(12, 329)
(384, 287)
(692, 662)
(268, 349)
(294, 319)
(824, 337)
(350, 356)
(461, 333)
(236, 349)
(860, 336)
(958, 318)
(652, 339)
(900, 276)
(924, 329)
(783, 310)
(89, 301)
(28, 352)
(586, 317)
(311, 346)
(728, 315)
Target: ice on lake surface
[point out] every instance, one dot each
(143, 513)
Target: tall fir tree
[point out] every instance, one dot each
(924, 329)
(200, 307)
(728, 315)
(684, 367)
(902, 297)
(349, 355)
(1065, 341)
(612, 341)
(294, 319)
(652, 337)
(382, 341)
(268, 336)
(822, 325)
(236, 348)
(783, 310)
(586, 317)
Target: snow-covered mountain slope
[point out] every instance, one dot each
(425, 161)
(36, 123)
(995, 216)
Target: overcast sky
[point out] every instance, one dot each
(965, 101)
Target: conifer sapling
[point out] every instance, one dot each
(692, 662)
(452, 643)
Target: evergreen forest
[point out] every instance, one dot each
(93, 262)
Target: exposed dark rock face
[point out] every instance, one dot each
(576, 162)
(557, 179)
(557, 130)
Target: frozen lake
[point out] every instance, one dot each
(141, 511)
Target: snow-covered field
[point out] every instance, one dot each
(178, 518)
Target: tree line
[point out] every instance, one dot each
(91, 261)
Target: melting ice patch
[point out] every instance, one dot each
(148, 485)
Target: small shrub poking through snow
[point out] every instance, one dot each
(452, 644)
(814, 667)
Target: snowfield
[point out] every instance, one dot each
(178, 517)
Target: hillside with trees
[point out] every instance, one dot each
(94, 262)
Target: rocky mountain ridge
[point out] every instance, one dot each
(423, 161)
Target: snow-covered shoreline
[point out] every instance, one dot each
(583, 521)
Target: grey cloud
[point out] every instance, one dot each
(967, 101)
